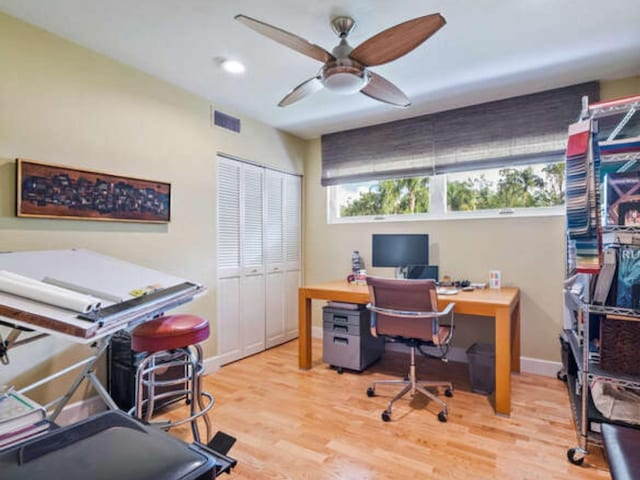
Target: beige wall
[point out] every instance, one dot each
(619, 88)
(528, 251)
(60, 103)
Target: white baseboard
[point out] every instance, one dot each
(536, 366)
(212, 364)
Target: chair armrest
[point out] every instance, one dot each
(448, 308)
(411, 314)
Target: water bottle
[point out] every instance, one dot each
(356, 262)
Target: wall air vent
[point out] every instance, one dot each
(226, 121)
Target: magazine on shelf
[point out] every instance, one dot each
(628, 294)
(622, 199)
(18, 411)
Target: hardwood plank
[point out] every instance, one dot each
(317, 424)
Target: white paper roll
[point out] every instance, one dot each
(35, 290)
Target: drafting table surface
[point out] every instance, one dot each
(78, 267)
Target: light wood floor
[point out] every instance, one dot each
(317, 424)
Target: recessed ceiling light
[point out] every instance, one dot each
(233, 66)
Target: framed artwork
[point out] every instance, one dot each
(56, 191)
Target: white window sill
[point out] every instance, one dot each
(467, 215)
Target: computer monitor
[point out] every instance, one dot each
(423, 271)
(399, 249)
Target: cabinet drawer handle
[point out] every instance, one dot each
(341, 328)
(342, 340)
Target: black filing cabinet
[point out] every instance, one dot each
(346, 338)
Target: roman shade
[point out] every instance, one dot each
(515, 131)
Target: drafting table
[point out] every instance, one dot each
(118, 284)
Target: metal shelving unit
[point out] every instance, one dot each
(587, 418)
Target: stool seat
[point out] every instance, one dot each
(169, 333)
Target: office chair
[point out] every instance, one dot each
(407, 311)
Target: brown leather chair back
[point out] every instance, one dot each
(408, 296)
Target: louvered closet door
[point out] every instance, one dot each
(274, 256)
(292, 191)
(229, 326)
(252, 307)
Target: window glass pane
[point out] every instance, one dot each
(508, 187)
(384, 197)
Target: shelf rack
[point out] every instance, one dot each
(587, 418)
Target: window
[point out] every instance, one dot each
(384, 197)
(507, 187)
(537, 188)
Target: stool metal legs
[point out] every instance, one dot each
(190, 358)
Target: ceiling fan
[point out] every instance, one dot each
(346, 69)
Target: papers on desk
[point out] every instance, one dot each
(60, 297)
(446, 291)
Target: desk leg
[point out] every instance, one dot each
(304, 330)
(515, 338)
(503, 361)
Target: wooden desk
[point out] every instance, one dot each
(502, 304)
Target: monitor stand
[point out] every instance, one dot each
(401, 272)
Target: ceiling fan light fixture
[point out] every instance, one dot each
(345, 83)
(344, 77)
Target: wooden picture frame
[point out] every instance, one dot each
(57, 191)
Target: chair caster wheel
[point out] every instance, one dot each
(371, 392)
(340, 370)
(442, 417)
(386, 416)
(448, 393)
(575, 456)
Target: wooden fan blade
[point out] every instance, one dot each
(303, 90)
(287, 39)
(397, 41)
(381, 89)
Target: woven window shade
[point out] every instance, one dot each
(516, 131)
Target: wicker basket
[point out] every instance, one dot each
(620, 344)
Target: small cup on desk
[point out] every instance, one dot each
(495, 279)
(361, 277)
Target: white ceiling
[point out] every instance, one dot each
(489, 49)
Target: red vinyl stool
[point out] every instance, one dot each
(172, 341)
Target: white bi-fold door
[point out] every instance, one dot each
(259, 217)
